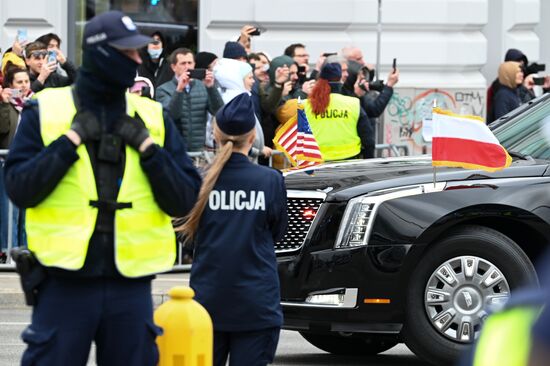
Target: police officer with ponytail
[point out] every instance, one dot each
(100, 172)
(240, 214)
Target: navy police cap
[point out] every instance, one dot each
(237, 117)
(115, 29)
(331, 72)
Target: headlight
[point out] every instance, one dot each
(358, 219)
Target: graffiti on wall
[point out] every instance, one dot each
(404, 115)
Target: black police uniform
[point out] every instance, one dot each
(96, 303)
(234, 271)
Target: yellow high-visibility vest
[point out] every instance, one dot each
(506, 337)
(336, 129)
(60, 227)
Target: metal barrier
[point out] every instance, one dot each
(9, 264)
(392, 149)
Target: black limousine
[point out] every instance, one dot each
(377, 253)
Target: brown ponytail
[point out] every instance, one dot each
(227, 142)
(319, 97)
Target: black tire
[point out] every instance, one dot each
(419, 333)
(353, 344)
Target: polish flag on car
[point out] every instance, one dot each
(465, 142)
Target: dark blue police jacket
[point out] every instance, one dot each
(234, 272)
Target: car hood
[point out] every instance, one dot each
(344, 180)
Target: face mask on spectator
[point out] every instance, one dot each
(154, 53)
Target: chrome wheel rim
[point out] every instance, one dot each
(458, 294)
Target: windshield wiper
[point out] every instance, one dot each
(521, 156)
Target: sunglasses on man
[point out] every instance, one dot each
(38, 54)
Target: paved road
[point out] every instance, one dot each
(292, 350)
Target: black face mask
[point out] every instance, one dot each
(110, 65)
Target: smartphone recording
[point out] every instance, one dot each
(16, 93)
(538, 80)
(52, 56)
(198, 74)
(22, 35)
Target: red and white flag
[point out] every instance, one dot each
(465, 142)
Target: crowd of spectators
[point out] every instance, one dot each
(517, 83)
(192, 88)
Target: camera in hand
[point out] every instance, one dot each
(367, 73)
(377, 85)
(198, 74)
(538, 80)
(535, 68)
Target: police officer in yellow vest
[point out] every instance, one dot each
(519, 334)
(505, 339)
(338, 122)
(100, 172)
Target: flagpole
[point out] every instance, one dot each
(378, 37)
(434, 167)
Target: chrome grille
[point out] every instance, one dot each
(299, 207)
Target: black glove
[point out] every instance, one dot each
(86, 125)
(132, 131)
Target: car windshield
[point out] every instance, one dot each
(529, 133)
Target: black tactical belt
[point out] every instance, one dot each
(109, 205)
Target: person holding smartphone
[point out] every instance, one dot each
(188, 97)
(13, 96)
(42, 69)
(14, 55)
(374, 95)
(236, 77)
(64, 67)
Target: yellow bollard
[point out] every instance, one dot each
(187, 338)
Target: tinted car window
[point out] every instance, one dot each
(529, 134)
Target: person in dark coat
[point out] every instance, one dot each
(189, 100)
(524, 93)
(374, 103)
(155, 65)
(240, 214)
(88, 163)
(510, 77)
